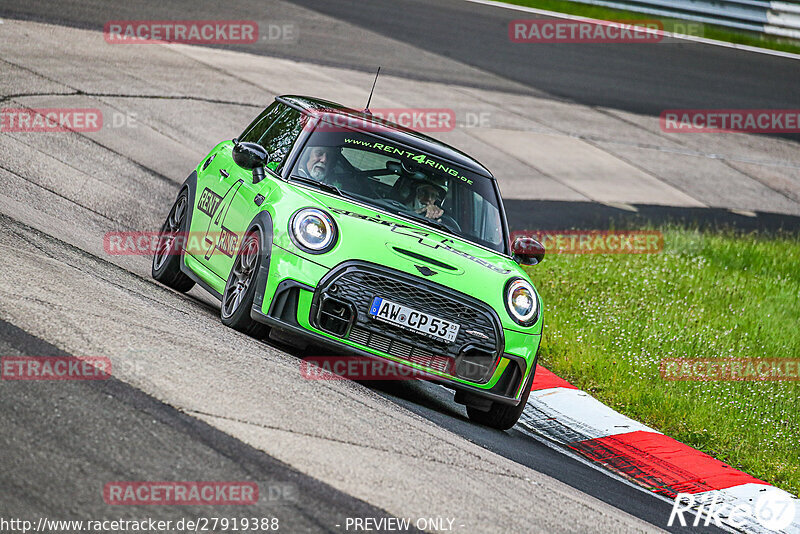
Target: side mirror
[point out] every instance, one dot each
(251, 156)
(527, 251)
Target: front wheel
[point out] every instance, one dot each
(502, 416)
(240, 289)
(167, 258)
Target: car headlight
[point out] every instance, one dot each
(521, 302)
(313, 230)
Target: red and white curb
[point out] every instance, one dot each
(572, 418)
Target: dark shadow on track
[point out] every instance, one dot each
(562, 215)
(641, 78)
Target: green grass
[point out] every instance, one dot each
(610, 319)
(709, 31)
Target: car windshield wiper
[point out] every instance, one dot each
(328, 187)
(322, 185)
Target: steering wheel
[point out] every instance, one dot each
(450, 223)
(392, 203)
(372, 174)
(346, 175)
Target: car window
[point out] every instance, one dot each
(278, 139)
(256, 130)
(486, 225)
(275, 129)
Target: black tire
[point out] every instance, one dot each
(502, 416)
(167, 258)
(240, 289)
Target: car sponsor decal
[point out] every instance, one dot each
(227, 242)
(423, 238)
(218, 237)
(208, 202)
(422, 159)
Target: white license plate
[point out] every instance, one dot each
(424, 323)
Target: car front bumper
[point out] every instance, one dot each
(290, 302)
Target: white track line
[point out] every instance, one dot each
(702, 40)
(580, 411)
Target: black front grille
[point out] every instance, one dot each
(359, 283)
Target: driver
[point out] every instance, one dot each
(317, 162)
(426, 201)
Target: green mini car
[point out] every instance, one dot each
(326, 226)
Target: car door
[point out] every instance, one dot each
(212, 190)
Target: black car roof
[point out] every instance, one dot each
(387, 130)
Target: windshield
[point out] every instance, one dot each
(404, 181)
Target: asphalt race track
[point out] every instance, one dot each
(193, 400)
(639, 79)
(110, 430)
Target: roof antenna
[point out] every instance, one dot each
(366, 109)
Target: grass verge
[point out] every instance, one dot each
(709, 31)
(610, 319)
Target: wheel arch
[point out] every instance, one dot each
(262, 223)
(190, 186)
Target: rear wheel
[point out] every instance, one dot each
(240, 289)
(167, 258)
(502, 416)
